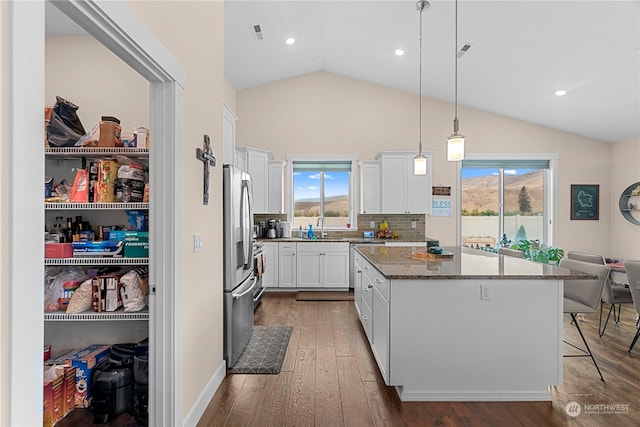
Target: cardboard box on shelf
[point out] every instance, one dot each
(98, 248)
(58, 392)
(58, 250)
(84, 360)
(136, 244)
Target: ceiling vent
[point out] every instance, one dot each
(464, 49)
(257, 32)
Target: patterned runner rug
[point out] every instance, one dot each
(265, 351)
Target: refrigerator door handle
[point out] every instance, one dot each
(247, 228)
(253, 285)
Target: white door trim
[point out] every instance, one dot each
(115, 26)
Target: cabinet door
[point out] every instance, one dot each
(240, 160)
(418, 188)
(357, 284)
(335, 269)
(228, 135)
(258, 165)
(370, 187)
(393, 183)
(380, 333)
(309, 269)
(270, 277)
(287, 266)
(276, 187)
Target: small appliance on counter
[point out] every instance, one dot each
(271, 229)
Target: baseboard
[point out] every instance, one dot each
(470, 396)
(201, 403)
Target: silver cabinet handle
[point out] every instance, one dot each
(366, 267)
(365, 317)
(359, 271)
(378, 280)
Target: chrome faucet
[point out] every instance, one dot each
(320, 220)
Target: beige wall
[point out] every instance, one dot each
(326, 113)
(230, 94)
(193, 32)
(4, 203)
(625, 171)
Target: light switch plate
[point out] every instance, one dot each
(413, 224)
(372, 224)
(197, 242)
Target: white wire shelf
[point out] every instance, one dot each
(95, 206)
(96, 261)
(118, 315)
(71, 152)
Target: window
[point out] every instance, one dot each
(510, 198)
(322, 188)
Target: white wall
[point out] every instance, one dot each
(193, 32)
(326, 113)
(625, 170)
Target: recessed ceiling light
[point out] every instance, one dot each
(560, 92)
(399, 52)
(290, 41)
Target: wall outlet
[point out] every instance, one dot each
(413, 224)
(485, 292)
(372, 224)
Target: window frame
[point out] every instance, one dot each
(353, 195)
(550, 190)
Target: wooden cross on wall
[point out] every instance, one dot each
(205, 154)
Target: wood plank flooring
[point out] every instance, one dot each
(330, 378)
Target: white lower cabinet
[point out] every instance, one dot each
(323, 265)
(270, 276)
(287, 265)
(374, 312)
(357, 281)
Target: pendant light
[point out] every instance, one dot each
(420, 161)
(455, 143)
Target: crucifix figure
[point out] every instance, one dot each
(205, 154)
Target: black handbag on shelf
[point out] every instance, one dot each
(64, 128)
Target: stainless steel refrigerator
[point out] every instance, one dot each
(239, 279)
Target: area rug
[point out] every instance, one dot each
(265, 351)
(324, 296)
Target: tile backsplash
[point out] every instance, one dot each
(400, 223)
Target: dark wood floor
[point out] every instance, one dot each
(329, 378)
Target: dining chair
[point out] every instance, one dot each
(611, 294)
(511, 252)
(583, 296)
(632, 268)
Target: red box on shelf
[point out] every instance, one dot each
(58, 250)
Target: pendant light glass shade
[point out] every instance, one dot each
(455, 148)
(420, 165)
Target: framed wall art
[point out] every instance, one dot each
(585, 201)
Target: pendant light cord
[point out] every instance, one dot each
(455, 51)
(420, 79)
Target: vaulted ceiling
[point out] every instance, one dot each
(521, 53)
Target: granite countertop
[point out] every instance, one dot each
(355, 240)
(467, 263)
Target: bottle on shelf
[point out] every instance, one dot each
(68, 232)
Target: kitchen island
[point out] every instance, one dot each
(475, 327)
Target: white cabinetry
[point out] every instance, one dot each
(357, 280)
(228, 135)
(370, 187)
(267, 178)
(276, 186)
(402, 191)
(323, 265)
(374, 312)
(270, 276)
(287, 265)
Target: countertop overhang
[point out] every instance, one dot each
(467, 263)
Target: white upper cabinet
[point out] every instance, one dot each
(257, 165)
(228, 136)
(401, 191)
(276, 186)
(369, 187)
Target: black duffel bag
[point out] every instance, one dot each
(64, 128)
